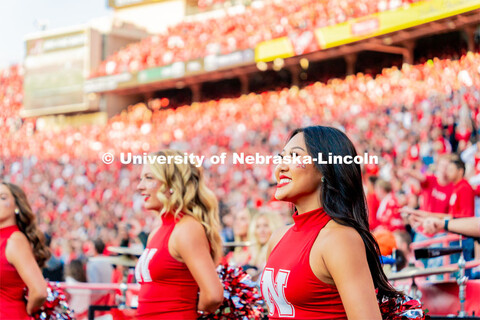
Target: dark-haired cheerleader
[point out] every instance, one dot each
(22, 253)
(326, 265)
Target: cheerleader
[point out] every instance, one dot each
(22, 253)
(177, 269)
(326, 265)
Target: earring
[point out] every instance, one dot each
(323, 179)
(17, 212)
(171, 191)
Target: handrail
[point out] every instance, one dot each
(97, 286)
(426, 243)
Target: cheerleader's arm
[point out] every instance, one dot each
(19, 253)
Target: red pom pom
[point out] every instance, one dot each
(401, 308)
(241, 297)
(55, 307)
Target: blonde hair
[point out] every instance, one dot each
(260, 251)
(189, 195)
(250, 212)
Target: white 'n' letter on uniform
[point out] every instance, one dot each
(274, 292)
(141, 270)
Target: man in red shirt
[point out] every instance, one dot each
(461, 205)
(461, 202)
(435, 194)
(436, 188)
(388, 215)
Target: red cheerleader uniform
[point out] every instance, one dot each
(167, 288)
(12, 302)
(289, 286)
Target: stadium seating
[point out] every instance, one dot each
(263, 20)
(77, 196)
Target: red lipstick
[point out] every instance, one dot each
(279, 185)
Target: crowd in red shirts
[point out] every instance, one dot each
(11, 94)
(261, 21)
(407, 117)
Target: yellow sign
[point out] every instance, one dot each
(390, 21)
(273, 49)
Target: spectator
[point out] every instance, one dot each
(403, 241)
(76, 272)
(461, 202)
(242, 253)
(388, 214)
(462, 199)
(436, 191)
(79, 298)
(54, 268)
(436, 188)
(261, 228)
(98, 269)
(227, 231)
(372, 202)
(461, 206)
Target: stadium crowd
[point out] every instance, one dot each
(261, 21)
(408, 117)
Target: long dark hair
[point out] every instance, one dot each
(342, 195)
(26, 222)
